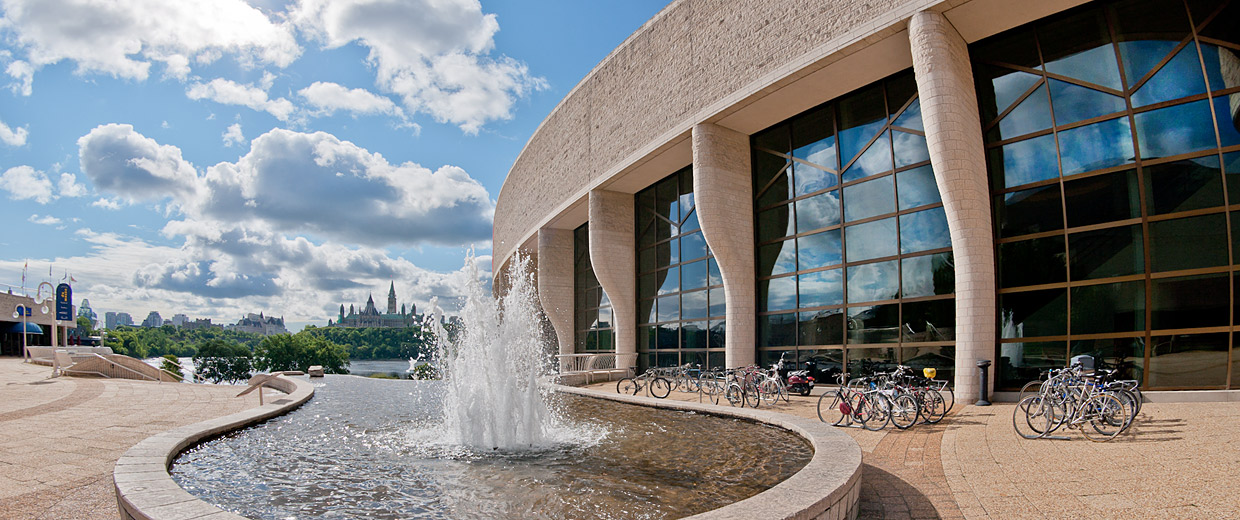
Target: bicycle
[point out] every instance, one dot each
(651, 381)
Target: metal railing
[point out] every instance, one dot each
(109, 369)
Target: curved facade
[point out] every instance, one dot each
(930, 183)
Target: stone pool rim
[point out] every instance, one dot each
(827, 487)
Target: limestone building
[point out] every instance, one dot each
(369, 316)
(259, 324)
(924, 182)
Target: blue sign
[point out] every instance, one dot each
(64, 302)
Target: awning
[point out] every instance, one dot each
(31, 328)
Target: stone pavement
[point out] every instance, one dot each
(59, 437)
(1181, 460)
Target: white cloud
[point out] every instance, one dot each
(13, 137)
(121, 161)
(432, 53)
(233, 135)
(108, 204)
(69, 186)
(26, 183)
(23, 73)
(328, 97)
(46, 220)
(229, 92)
(124, 38)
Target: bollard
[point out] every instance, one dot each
(983, 367)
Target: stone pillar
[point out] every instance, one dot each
(954, 135)
(723, 190)
(613, 256)
(555, 283)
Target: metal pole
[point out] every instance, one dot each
(983, 367)
(25, 326)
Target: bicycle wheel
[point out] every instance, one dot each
(660, 387)
(735, 396)
(932, 407)
(874, 411)
(1105, 416)
(904, 411)
(627, 386)
(833, 408)
(768, 392)
(1129, 400)
(1032, 417)
(752, 394)
(692, 384)
(949, 398)
(1030, 388)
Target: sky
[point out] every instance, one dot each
(220, 157)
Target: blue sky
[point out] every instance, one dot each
(219, 157)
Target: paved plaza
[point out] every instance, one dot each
(1181, 460)
(59, 437)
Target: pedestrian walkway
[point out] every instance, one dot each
(1180, 461)
(59, 437)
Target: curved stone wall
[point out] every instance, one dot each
(827, 487)
(693, 61)
(145, 490)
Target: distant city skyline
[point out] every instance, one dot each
(177, 163)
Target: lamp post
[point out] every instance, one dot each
(23, 311)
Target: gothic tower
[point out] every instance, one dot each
(392, 299)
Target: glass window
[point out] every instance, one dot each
(777, 330)
(1096, 146)
(810, 179)
(870, 240)
(693, 246)
(1184, 185)
(1033, 114)
(812, 137)
(717, 302)
(777, 258)
(1126, 355)
(718, 334)
(1032, 262)
(869, 199)
(1033, 314)
(933, 320)
(1190, 302)
(1029, 211)
(693, 275)
(941, 358)
(917, 187)
(865, 361)
(874, 324)
(1024, 162)
(999, 87)
(1079, 46)
(927, 275)
(1175, 130)
(668, 280)
(776, 191)
(924, 230)
(909, 148)
(823, 327)
(693, 334)
(1114, 307)
(1102, 198)
(819, 250)
(1104, 253)
(1188, 243)
(777, 294)
(875, 160)
(873, 282)
(822, 288)
(1188, 360)
(818, 211)
(862, 115)
(693, 305)
(1179, 77)
(1020, 363)
(1076, 103)
(669, 308)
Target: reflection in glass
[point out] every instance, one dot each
(1033, 313)
(1188, 360)
(873, 282)
(693, 305)
(1180, 77)
(1175, 130)
(924, 230)
(870, 240)
(1096, 146)
(693, 334)
(862, 114)
(777, 258)
(1031, 115)
(1076, 103)
(1102, 198)
(669, 280)
(1079, 46)
(1024, 162)
(822, 288)
(1020, 363)
(777, 294)
(1104, 253)
(669, 308)
(823, 327)
(693, 275)
(1127, 355)
(909, 149)
(818, 211)
(1188, 243)
(1184, 185)
(874, 324)
(810, 179)
(869, 199)
(933, 320)
(927, 275)
(941, 358)
(693, 246)
(819, 250)
(668, 335)
(867, 361)
(1029, 211)
(717, 302)
(875, 160)
(1032, 262)
(1115, 307)
(917, 187)
(718, 333)
(1190, 301)
(777, 330)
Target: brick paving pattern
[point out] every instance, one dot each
(59, 438)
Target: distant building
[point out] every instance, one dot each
(371, 317)
(259, 324)
(153, 320)
(112, 320)
(179, 320)
(201, 324)
(88, 313)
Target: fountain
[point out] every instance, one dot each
(488, 440)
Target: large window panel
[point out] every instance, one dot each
(1175, 130)
(917, 187)
(874, 282)
(1188, 243)
(1105, 253)
(1032, 262)
(1096, 146)
(1029, 211)
(874, 324)
(1033, 314)
(1184, 185)
(871, 240)
(1190, 302)
(923, 231)
(927, 275)
(1020, 363)
(1188, 360)
(1104, 308)
(870, 199)
(1099, 199)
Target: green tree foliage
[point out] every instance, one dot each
(424, 371)
(219, 361)
(173, 366)
(142, 342)
(300, 351)
(376, 343)
(84, 327)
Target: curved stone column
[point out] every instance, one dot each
(723, 191)
(954, 135)
(612, 254)
(555, 283)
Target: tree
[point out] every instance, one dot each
(172, 365)
(220, 361)
(85, 328)
(298, 352)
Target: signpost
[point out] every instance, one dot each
(64, 302)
